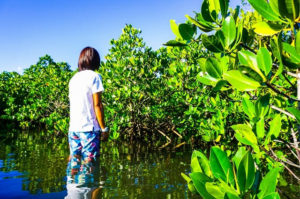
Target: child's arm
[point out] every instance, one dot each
(99, 111)
(98, 108)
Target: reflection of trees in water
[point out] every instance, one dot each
(134, 171)
(137, 171)
(42, 162)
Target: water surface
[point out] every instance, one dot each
(34, 167)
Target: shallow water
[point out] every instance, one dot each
(32, 167)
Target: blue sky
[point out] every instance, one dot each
(61, 28)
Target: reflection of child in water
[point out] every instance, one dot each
(82, 179)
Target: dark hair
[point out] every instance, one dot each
(89, 59)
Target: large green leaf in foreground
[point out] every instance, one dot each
(263, 8)
(246, 172)
(229, 30)
(213, 67)
(212, 43)
(199, 180)
(174, 28)
(200, 163)
(268, 184)
(186, 31)
(267, 29)
(264, 60)
(244, 134)
(291, 50)
(295, 112)
(220, 165)
(249, 59)
(297, 45)
(240, 81)
(286, 8)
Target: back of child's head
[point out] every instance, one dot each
(89, 59)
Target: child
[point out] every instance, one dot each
(86, 109)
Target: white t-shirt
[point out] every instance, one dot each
(81, 88)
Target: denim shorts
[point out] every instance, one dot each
(84, 144)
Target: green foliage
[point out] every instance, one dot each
(240, 81)
(212, 43)
(148, 92)
(130, 79)
(245, 135)
(266, 28)
(246, 172)
(220, 165)
(213, 68)
(264, 60)
(229, 31)
(238, 181)
(268, 184)
(186, 31)
(228, 86)
(39, 97)
(297, 43)
(264, 9)
(261, 49)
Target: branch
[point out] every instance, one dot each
(174, 131)
(287, 160)
(279, 92)
(179, 145)
(169, 139)
(289, 145)
(296, 144)
(165, 145)
(291, 172)
(283, 111)
(164, 135)
(287, 79)
(248, 48)
(280, 161)
(292, 74)
(287, 72)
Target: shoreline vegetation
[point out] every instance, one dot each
(227, 82)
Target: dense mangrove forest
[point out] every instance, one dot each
(214, 113)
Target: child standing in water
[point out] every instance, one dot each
(86, 109)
